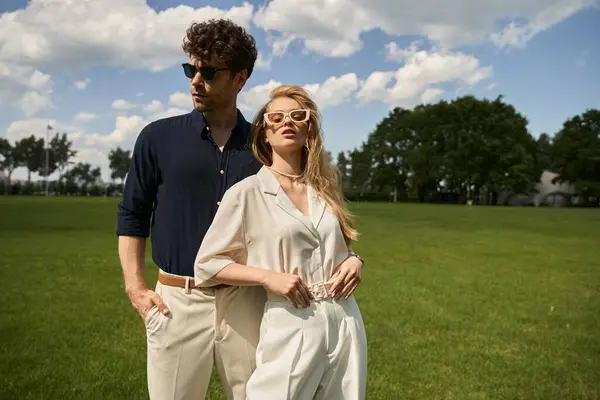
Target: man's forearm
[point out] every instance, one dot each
(132, 255)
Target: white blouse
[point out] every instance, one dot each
(258, 225)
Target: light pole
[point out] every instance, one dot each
(48, 129)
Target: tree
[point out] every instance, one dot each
(29, 153)
(7, 160)
(468, 146)
(426, 137)
(343, 164)
(576, 151)
(119, 162)
(361, 162)
(488, 148)
(82, 176)
(543, 153)
(389, 144)
(61, 154)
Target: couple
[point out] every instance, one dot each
(252, 239)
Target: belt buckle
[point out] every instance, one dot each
(320, 291)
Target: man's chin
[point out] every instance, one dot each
(200, 107)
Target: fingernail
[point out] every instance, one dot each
(165, 311)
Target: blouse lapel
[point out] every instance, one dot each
(316, 206)
(272, 186)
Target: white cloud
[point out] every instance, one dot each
(374, 87)
(85, 117)
(116, 33)
(31, 103)
(122, 105)
(49, 36)
(38, 127)
(431, 94)
(93, 156)
(262, 62)
(153, 107)
(334, 91)
(26, 88)
(81, 85)
(280, 43)
(333, 28)
(518, 34)
(418, 80)
(253, 99)
(156, 110)
(169, 112)
(25, 76)
(126, 129)
(180, 99)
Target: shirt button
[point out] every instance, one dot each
(218, 203)
(221, 172)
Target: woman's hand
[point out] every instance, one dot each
(290, 286)
(346, 278)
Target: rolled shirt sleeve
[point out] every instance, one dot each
(225, 240)
(139, 194)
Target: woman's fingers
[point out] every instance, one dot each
(297, 292)
(305, 293)
(339, 282)
(348, 289)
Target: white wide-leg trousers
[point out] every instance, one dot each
(318, 352)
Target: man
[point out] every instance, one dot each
(181, 167)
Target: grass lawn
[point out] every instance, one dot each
(459, 302)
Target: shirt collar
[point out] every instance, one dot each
(270, 184)
(240, 136)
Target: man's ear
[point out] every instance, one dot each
(242, 77)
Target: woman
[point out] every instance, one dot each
(287, 229)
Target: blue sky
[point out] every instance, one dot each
(102, 70)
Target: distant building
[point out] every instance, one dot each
(545, 193)
(549, 193)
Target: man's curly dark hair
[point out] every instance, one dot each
(230, 43)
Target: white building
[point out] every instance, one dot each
(546, 193)
(552, 193)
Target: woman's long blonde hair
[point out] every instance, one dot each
(319, 171)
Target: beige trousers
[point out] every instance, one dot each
(313, 353)
(203, 330)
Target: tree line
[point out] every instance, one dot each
(56, 156)
(473, 150)
(464, 150)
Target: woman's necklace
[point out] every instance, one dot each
(288, 175)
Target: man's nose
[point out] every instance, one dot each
(197, 79)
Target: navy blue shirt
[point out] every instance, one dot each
(176, 180)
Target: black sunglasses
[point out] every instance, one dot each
(207, 73)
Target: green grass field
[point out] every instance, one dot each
(459, 302)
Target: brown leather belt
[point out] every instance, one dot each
(179, 281)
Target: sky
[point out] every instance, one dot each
(100, 70)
